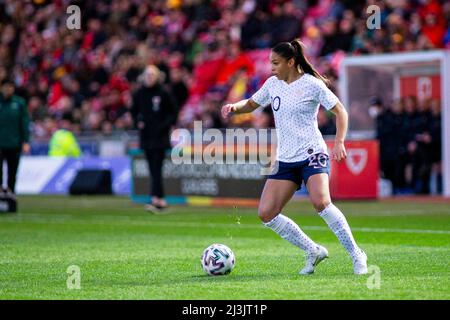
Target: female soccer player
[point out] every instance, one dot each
(295, 92)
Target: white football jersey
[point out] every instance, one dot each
(295, 107)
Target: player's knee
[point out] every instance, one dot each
(267, 212)
(320, 203)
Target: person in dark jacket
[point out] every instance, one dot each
(154, 112)
(422, 161)
(14, 133)
(388, 122)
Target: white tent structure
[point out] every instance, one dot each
(362, 77)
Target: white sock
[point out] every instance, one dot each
(338, 224)
(290, 231)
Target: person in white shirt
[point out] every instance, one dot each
(295, 92)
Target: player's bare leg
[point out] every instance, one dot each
(318, 189)
(274, 197)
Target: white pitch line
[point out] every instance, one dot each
(111, 219)
(384, 230)
(313, 228)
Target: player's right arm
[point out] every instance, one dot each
(243, 106)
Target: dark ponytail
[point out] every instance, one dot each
(294, 50)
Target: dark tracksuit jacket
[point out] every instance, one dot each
(14, 131)
(14, 123)
(157, 109)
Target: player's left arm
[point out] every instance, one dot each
(341, 114)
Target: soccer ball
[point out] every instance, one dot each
(217, 259)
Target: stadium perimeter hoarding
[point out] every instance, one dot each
(54, 175)
(357, 176)
(200, 184)
(230, 184)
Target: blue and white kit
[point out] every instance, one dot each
(301, 150)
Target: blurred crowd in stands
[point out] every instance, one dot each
(209, 52)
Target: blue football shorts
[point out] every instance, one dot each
(299, 172)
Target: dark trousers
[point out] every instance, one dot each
(12, 157)
(155, 159)
(388, 168)
(421, 169)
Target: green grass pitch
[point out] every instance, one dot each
(124, 252)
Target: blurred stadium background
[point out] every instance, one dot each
(212, 52)
(394, 80)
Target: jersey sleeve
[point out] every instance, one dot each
(326, 97)
(262, 96)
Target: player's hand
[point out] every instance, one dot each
(339, 152)
(227, 110)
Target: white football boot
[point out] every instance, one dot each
(360, 263)
(313, 259)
